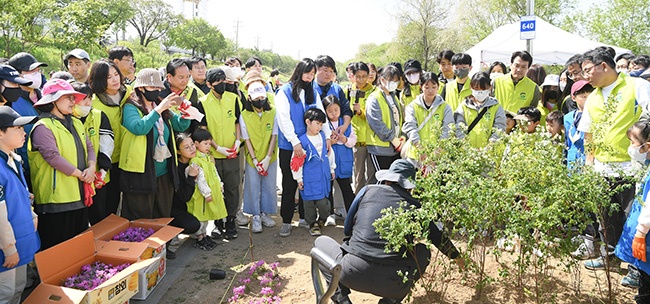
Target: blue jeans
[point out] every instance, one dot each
(259, 191)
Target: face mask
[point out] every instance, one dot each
(461, 73)
(413, 78)
(259, 103)
(636, 73)
(35, 78)
(636, 155)
(231, 87)
(12, 94)
(81, 111)
(391, 86)
(562, 86)
(624, 71)
(495, 75)
(219, 88)
(551, 95)
(480, 95)
(151, 95)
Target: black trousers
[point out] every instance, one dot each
(185, 220)
(380, 163)
(346, 191)
(612, 221)
(289, 187)
(55, 228)
(113, 192)
(99, 209)
(643, 296)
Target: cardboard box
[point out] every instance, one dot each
(149, 277)
(66, 259)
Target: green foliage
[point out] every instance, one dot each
(199, 36)
(515, 189)
(149, 22)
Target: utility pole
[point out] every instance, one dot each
(237, 23)
(257, 42)
(530, 11)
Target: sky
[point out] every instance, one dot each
(306, 28)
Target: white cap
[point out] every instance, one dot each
(551, 80)
(256, 90)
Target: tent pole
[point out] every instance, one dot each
(530, 11)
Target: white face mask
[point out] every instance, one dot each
(35, 78)
(391, 86)
(495, 75)
(624, 71)
(636, 155)
(562, 86)
(413, 78)
(480, 95)
(81, 111)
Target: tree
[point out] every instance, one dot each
(199, 36)
(153, 19)
(21, 23)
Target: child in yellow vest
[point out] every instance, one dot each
(207, 203)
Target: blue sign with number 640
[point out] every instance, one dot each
(527, 26)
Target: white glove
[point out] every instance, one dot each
(265, 163)
(237, 145)
(192, 113)
(396, 142)
(103, 173)
(223, 150)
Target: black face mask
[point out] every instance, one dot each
(219, 88)
(12, 94)
(259, 103)
(231, 87)
(551, 95)
(151, 95)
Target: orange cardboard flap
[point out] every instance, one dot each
(44, 294)
(159, 222)
(163, 235)
(121, 252)
(75, 251)
(108, 227)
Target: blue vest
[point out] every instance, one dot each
(624, 247)
(574, 140)
(19, 212)
(297, 113)
(24, 107)
(334, 89)
(344, 156)
(316, 175)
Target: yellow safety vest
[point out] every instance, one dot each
(406, 100)
(371, 137)
(92, 125)
(452, 97)
(114, 114)
(511, 97)
(482, 131)
(260, 131)
(432, 130)
(197, 206)
(359, 122)
(221, 120)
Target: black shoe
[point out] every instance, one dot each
(389, 301)
(231, 228)
(212, 243)
(203, 244)
(170, 255)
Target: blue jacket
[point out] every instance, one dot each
(316, 175)
(297, 112)
(336, 90)
(24, 107)
(344, 156)
(624, 247)
(574, 139)
(13, 190)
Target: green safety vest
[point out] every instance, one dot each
(452, 97)
(406, 100)
(260, 131)
(429, 131)
(197, 206)
(482, 131)
(114, 114)
(511, 97)
(51, 185)
(371, 137)
(627, 113)
(92, 125)
(359, 122)
(220, 117)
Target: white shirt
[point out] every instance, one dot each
(283, 116)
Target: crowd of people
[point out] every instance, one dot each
(203, 144)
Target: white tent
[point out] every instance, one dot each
(551, 45)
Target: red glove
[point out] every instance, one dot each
(297, 162)
(639, 248)
(99, 181)
(184, 105)
(89, 192)
(261, 170)
(233, 153)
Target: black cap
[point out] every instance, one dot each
(412, 65)
(7, 72)
(24, 62)
(215, 74)
(10, 118)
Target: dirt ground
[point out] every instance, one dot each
(292, 253)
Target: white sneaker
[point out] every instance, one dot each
(267, 221)
(285, 230)
(256, 224)
(241, 219)
(302, 223)
(331, 220)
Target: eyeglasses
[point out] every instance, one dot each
(573, 75)
(189, 147)
(588, 70)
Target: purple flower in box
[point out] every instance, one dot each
(93, 275)
(134, 234)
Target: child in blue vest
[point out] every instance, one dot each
(315, 176)
(18, 237)
(342, 144)
(575, 140)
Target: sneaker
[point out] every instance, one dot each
(630, 281)
(203, 244)
(331, 220)
(241, 219)
(267, 221)
(285, 230)
(600, 263)
(256, 224)
(231, 229)
(302, 223)
(585, 251)
(314, 230)
(216, 234)
(211, 243)
(175, 241)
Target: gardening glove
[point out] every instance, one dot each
(89, 192)
(297, 162)
(398, 143)
(260, 170)
(223, 150)
(638, 248)
(265, 163)
(99, 179)
(191, 113)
